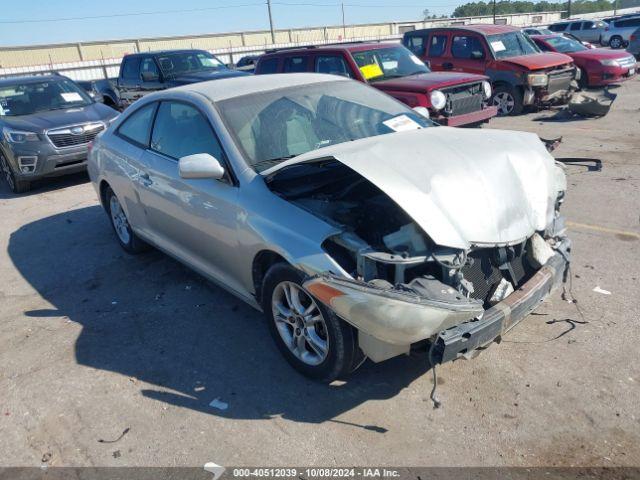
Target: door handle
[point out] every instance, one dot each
(145, 179)
(447, 66)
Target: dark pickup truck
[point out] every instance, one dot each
(143, 73)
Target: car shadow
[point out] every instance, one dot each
(44, 185)
(184, 341)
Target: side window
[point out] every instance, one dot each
(575, 26)
(131, 68)
(558, 27)
(149, 67)
(332, 64)
(181, 130)
(634, 22)
(416, 44)
(437, 45)
(137, 127)
(268, 65)
(467, 46)
(542, 46)
(295, 64)
(588, 25)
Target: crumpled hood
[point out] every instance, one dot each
(539, 61)
(462, 187)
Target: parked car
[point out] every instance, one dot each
(618, 32)
(247, 63)
(46, 123)
(634, 43)
(598, 66)
(143, 73)
(360, 228)
(586, 30)
(520, 74)
(103, 91)
(453, 99)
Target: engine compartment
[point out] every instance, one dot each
(381, 245)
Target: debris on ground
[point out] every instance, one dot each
(217, 403)
(601, 290)
(116, 454)
(591, 103)
(125, 431)
(46, 457)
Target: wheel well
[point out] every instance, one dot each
(262, 262)
(103, 193)
(108, 101)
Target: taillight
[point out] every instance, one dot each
(606, 29)
(632, 37)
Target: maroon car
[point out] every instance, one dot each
(598, 66)
(452, 98)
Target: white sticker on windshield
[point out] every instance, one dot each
(402, 123)
(498, 46)
(390, 65)
(71, 97)
(416, 60)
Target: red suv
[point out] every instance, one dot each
(520, 73)
(452, 99)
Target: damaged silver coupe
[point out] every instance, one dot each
(360, 228)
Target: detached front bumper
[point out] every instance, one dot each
(468, 118)
(399, 319)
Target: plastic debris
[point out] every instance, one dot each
(217, 403)
(214, 468)
(602, 291)
(591, 104)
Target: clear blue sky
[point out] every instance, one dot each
(240, 15)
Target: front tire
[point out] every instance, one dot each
(16, 186)
(127, 239)
(508, 99)
(310, 336)
(616, 42)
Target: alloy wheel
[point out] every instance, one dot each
(615, 43)
(119, 219)
(300, 323)
(505, 102)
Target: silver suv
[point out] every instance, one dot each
(634, 43)
(618, 33)
(586, 30)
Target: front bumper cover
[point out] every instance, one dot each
(463, 339)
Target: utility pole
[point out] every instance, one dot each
(344, 28)
(273, 35)
(615, 7)
(494, 12)
(568, 8)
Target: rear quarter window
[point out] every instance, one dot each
(131, 68)
(137, 127)
(268, 65)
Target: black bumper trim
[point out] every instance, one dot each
(462, 339)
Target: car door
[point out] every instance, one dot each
(193, 219)
(150, 77)
(436, 52)
(575, 28)
(468, 54)
(129, 80)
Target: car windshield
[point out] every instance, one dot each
(179, 63)
(386, 63)
(274, 125)
(511, 44)
(27, 98)
(565, 45)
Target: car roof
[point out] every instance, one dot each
(483, 29)
(165, 52)
(29, 79)
(225, 88)
(348, 47)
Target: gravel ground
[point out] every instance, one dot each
(93, 342)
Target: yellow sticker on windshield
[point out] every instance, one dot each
(371, 71)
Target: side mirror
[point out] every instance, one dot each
(200, 165)
(150, 77)
(423, 111)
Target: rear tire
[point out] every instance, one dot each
(508, 99)
(616, 42)
(317, 344)
(127, 239)
(16, 185)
